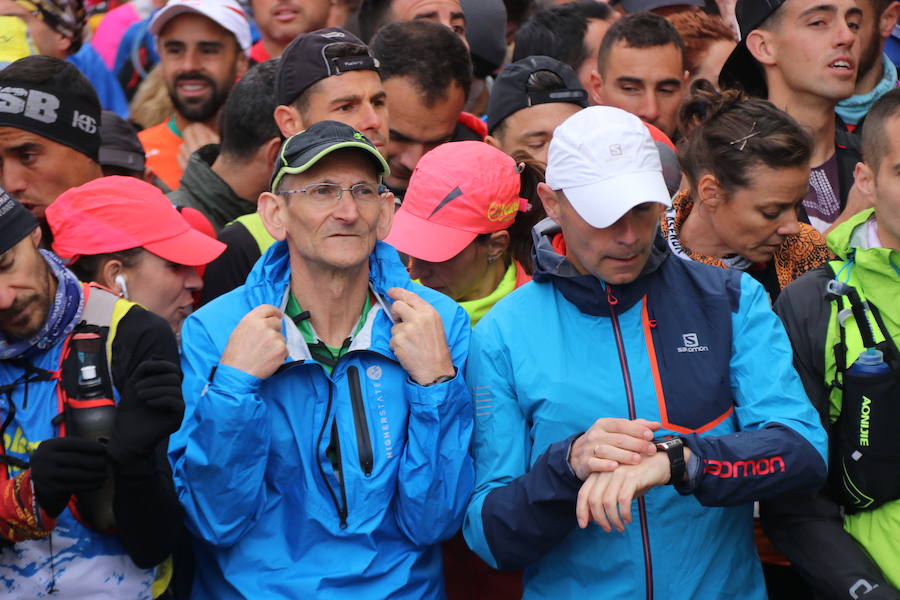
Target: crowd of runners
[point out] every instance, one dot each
(463, 299)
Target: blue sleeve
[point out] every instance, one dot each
(107, 87)
(436, 475)
(138, 34)
(517, 513)
(781, 447)
(221, 449)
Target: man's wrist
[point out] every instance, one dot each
(440, 376)
(673, 448)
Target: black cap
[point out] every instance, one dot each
(510, 95)
(119, 143)
(303, 62)
(16, 221)
(741, 70)
(633, 6)
(301, 151)
(486, 33)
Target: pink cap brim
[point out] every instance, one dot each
(426, 240)
(190, 248)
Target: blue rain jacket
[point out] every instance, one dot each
(272, 517)
(692, 346)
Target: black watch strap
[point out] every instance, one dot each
(674, 448)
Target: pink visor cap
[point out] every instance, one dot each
(458, 191)
(112, 214)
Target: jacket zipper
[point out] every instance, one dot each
(629, 394)
(363, 441)
(340, 506)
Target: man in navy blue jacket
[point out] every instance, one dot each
(614, 339)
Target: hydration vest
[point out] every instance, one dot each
(864, 412)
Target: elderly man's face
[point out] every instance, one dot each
(335, 235)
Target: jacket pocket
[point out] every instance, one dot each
(361, 424)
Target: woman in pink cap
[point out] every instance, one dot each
(125, 235)
(462, 223)
(467, 231)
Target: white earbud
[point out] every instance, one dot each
(120, 279)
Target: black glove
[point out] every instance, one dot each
(61, 467)
(150, 409)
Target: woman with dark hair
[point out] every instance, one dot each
(465, 226)
(746, 165)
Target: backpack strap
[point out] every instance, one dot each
(260, 234)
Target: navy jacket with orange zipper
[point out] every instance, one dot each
(694, 347)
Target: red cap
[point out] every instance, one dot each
(457, 191)
(112, 214)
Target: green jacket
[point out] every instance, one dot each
(838, 553)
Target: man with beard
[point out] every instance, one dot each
(87, 505)
(203, 48)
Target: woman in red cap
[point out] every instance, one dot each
(125, 235)
(467, 231)
(464, 225)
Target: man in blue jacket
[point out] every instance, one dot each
(324, 450)
(613, 340)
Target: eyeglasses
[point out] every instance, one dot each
(327, 195)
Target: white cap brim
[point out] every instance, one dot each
(230, 19)
(602, 203)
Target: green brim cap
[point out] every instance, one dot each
(301, 151)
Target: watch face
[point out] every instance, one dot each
(668, 444)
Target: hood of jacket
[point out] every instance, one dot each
(202, 189)
(590, 294)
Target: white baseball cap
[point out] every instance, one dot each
(606, 163)
(228, 14)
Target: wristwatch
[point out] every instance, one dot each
(674, 448)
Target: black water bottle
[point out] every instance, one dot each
(92, 417)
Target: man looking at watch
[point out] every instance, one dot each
(652, 345)
(326, 399)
